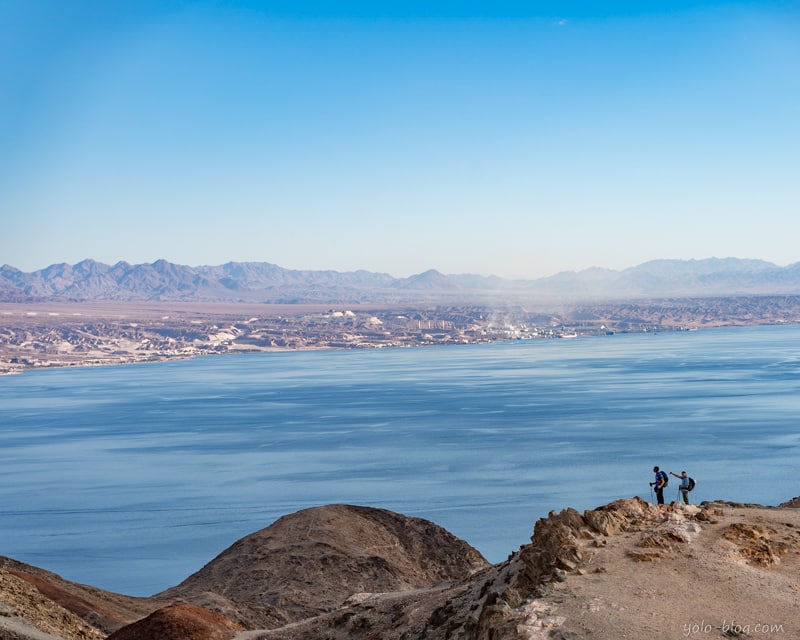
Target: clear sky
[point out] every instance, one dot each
(511, 138)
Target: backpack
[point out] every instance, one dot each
(663, 475)
(691, 483)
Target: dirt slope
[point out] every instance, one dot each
(58, 607)
(713, 572)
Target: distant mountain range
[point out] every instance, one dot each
(269, 283)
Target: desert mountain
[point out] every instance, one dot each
(268, 283)
(310, 562)
(628, 569)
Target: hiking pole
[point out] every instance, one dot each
(651, 493)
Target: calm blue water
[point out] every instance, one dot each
(130, 478)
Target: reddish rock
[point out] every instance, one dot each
(179, 621)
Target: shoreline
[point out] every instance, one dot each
(72, 334)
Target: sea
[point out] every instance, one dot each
(130, 478)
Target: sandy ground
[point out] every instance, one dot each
(737, 576)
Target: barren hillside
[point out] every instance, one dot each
(310, 562)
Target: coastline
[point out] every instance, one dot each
(65, 334)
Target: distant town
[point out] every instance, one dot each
(66, 334)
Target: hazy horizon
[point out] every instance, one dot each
(512, 139)
(421, 271)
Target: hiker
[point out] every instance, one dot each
(659, 484)
(684, 487)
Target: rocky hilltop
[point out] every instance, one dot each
(309, 562)
(624, 570)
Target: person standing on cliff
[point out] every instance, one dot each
(683, 487)
(659, 484)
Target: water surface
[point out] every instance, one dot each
(132, 477)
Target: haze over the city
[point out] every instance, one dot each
(517, 139)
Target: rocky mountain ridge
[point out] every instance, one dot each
(264, 282)
(621, 570)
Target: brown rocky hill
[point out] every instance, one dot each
(310, 562)
(628, 569)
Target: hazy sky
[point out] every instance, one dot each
(510, 138)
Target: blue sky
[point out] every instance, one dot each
(511, 138)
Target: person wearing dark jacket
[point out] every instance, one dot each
(659, 484)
